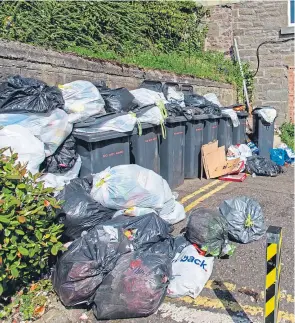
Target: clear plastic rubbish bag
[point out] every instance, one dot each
(125, 186)
(82, 100)
(245, 220)
(29, 148)
(51, 128)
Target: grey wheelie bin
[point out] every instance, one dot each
(172, 151)
(225, 132)
(98, 150)
(144, 148)
(193, 144)
(210, 128)
(263, 133)
(239, 133)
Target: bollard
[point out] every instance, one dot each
(273, 272)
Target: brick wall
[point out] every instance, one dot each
(58, 68)
(254, 22)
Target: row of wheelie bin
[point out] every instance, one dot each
(175, 157)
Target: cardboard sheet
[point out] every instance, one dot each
(214, 161)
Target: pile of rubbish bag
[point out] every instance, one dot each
(121, 256)
(45, 116)
(124, 264)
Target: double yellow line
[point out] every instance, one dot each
(203, 189)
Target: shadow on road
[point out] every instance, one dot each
(230, 304)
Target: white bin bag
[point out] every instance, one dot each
(29, 148)
(82, 100)
(190, 273)
(125, 186)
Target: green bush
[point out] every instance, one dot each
(28, 234)
(287, 134)
(122, 26)
(167, 35)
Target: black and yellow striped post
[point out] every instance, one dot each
(273, 272)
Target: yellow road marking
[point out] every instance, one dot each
(225, 286)
(201, 190)
(211, 284)
(209, 303)
(205, 196)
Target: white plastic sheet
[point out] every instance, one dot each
(58, 181)
(177, 215)
(29, 148)
(124, 123)
(51, 128)
(125, 186)
(190, 273)
(233, 115)
(268, 114)
(212, 98)
(153, 116)
(82, 100)
(245, 152)
(135, 211)
(175, 96)
(144, 97)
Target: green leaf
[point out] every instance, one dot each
(32, 252)
(38, 234)
(11, 256)
(1, 289)
(4, 219)
(14, 272)
(7, 233)
(23, 251)
(20, 232)
(21, 186)
(54, 250)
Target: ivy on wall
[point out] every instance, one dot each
(122, 26)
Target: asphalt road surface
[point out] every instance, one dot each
(236, 288)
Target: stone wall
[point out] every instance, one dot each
(58, 68)
(252, 23)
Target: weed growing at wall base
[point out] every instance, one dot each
(209, 65)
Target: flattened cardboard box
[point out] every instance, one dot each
(214, 161)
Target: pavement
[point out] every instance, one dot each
(235, 292)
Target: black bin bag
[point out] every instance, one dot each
(170, 246)
(199, 101)
(80, 270)
(80, 212)
(245, 219)
(208, 229)
(20, 95)
(136, 287)
(144, 230)
(118, 100)
(63, 159)
(262, 166)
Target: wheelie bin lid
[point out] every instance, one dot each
(242, 113)
(200, 117)
(175, 119)
(97, 119)
(156, 86)
(213, 116)
(144, 126)
(89, 136)
(256, 110)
